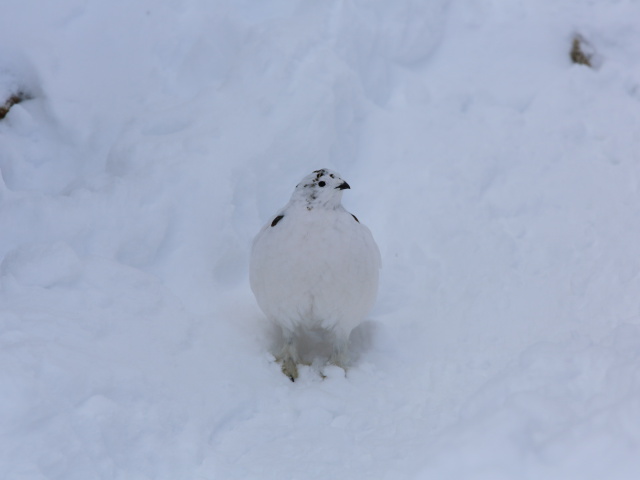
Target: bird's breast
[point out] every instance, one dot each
(319, 267)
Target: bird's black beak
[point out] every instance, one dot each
(343, 186)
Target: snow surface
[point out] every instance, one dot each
(501, 181)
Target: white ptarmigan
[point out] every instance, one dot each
(314, 265)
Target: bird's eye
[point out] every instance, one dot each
(321, 184)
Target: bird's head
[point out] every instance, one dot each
(323, 187)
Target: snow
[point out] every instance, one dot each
(500, 181)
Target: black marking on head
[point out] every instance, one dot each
(320, 173)
(355, 218)
(276, 220)
(322, 183)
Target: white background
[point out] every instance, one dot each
(501, 181)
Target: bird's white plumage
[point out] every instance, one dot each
(315, 265)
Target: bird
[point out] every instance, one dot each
(313, 265)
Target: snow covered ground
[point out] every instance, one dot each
(501, 181)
